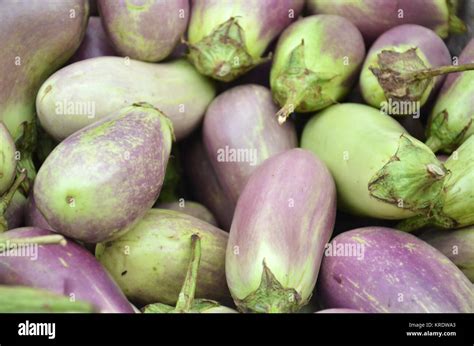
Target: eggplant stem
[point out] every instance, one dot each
(6, 199)
(186, 296)
(440, 70)
(7, 243)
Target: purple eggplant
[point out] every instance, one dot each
(68, 269)
(204, 183)
(240, 131)
(377, 269)
(228, 37)
(16, 211)
(7, 159)
(103, 178)
(144, 30)
(282, 222)
(375, 17)
(338, 311)
(457, 245)
(388, 79)
(33, 217)
(194, 209)
(95, 42)
(451, 119)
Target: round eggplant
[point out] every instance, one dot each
(195, 209)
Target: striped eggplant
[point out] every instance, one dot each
(95, 42)
(457, 245)
(455, 207)
(150, 261)
(103, 178)
(450, 122)
(380, 170)
(240, 132)
(316, 62)
(377, 269)
(195, 209)
(89, 90)
(204, 183)
(7, 159)
(375, 17)
(389, 78)
(144, 30)
(282, 222)
(228, 37)
(68, 270)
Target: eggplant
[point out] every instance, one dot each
(283, 219)
(240, 132)
(33, 217)
(16, 211)
(68, 270)
(380, 170)
(317, 60)
(7, 159)
(338, 311)
(375, 17)
(149, 262)
(228, 37)
(392, 76)
(87, 91)
(80, 188)
(377, 269)
(95, 42)
(450, 122)
(454, 207)
(144, 30)
(204, 183)
(195, 209)
(457, 245)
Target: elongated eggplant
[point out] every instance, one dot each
(80, 188)
(240, 131)
(144, 30)
(317, 60)
(389, 78)
(204, 183)
(377, 269)
(455, 207)
(68, 270)
(282, 222)
(457, 245)
(450, 122)
(89, 90)
(228, 37)
(95, 42)
(195, 209)
(7, 159)
(380, 170)
(375, 17)
(150, 261)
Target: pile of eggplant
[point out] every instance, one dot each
(228, 156)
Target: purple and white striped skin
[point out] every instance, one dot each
(95, 42)
(282, 222)
(256, 23)
(241, 122)
(16, 210)
(69, 270)
(8, 161)
(103, 178)
(204, 183)
(457, 245)
(144, 30)
(430, 48)
(373, 17)
(377, 269)
(338, 311)
(195, 209)
(33, 217)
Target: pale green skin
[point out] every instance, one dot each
(317, 59)
(109, 83)
(158, 257)
(370, 138)
(7, 159)
(370, 88)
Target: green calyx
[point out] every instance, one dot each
(456, 25)
(25, 299)
(6, 199)
(186, 302)
(298, 88)
(223, 54)
(412, 179)
(270, 296)
(25, 143)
